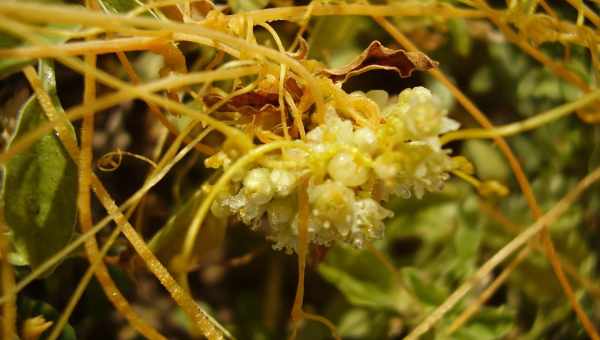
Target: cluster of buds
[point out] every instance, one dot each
(350, 172)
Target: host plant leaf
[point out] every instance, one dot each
(40, 185)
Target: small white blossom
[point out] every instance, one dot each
(402, 157)
(343, 168)
(283, 181)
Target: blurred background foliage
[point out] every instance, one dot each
(431, 245)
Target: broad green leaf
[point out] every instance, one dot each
(8, 65)
(30, 308)
(11, 65)
(40, 185)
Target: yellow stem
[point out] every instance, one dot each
(525, 125)
(106, 160)
(155, 110)
(210, 328)
(74, 15)
(401, 9)
(488, 292)
(83, 283)
(218, 187)
(124, 95)
(535, 209)
(9, 310)
(22, 30)
(505, 252)
(84, 201)
(587, 12)
(80, 48)
(513, 162)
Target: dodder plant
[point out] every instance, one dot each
(290, 152)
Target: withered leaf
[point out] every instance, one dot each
(199, 10)
(246, 103)
(256, 101)
(379, 57)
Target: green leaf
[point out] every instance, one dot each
(364, 280)
(355, 323)
(30, 308)
(8, 65)
(11, 65)
(364, 324)
(359, 293)
(334, 39)
(427, 292)
(489, 163)
(40, 185)
(487, 324)
(461, 39)
(482, 80)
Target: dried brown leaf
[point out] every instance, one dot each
(257, 101)
(379, 57)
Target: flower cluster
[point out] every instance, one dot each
(350, 171)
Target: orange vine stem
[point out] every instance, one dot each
(515, 166)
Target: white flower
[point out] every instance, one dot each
(386, 168)
(344, 169)
(401, 156)
(337, 129)
(365, 140)
(281, 211)
(283, 181)
(258, 186)
(331, 203)
(368, 221)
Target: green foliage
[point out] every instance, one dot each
(359, 293)
(488, 324)
(435, 243)
(40, 185)
(336, 40)
(10, 65)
